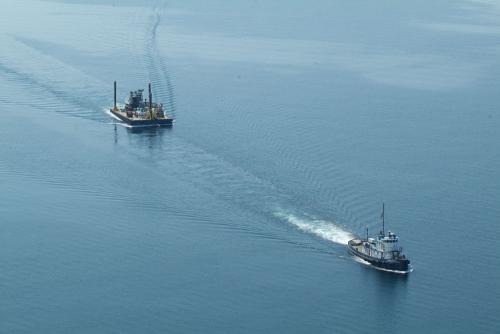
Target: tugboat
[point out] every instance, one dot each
(382, 252)
(139, 112)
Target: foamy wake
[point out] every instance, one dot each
(322, 228)
(109, 113)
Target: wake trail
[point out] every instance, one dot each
(324, 229)
(230, 183)
(157, 67)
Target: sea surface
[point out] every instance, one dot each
(295, 121)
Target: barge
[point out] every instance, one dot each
(139, 112)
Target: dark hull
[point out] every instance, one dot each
(401, 266)
(143, 122)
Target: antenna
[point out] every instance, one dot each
(115, 95)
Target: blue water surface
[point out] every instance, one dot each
(295, 121)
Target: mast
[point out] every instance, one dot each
(150, 102)
(383, 218)
(367, 233)
(114, 106)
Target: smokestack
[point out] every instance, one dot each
(150, 100)
(115, 96)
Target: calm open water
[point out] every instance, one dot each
(295, 121)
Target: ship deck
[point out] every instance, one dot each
(137, 121)
(355, 247)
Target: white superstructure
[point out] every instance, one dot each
(384, 247)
